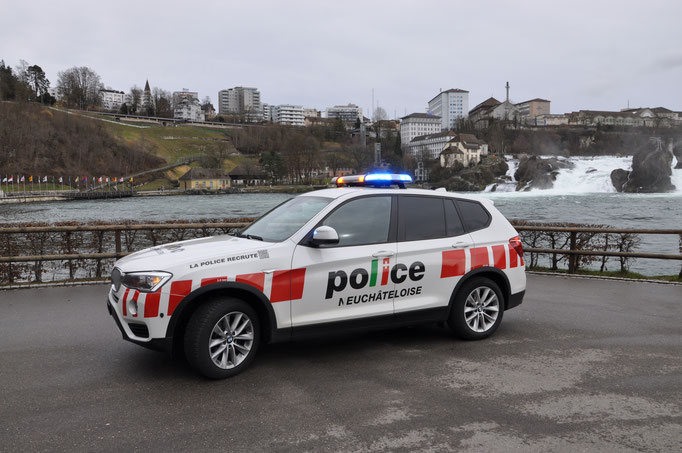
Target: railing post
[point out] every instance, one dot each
(117, 239)
(680, 276)
(572, 258)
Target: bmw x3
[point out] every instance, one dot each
(363, 255)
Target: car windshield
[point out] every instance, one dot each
(286, 219)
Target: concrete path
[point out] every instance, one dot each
(581, 365)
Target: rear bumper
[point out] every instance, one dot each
(515, 299)
(157, 344)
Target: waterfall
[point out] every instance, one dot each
(510, 184)
(587, 175)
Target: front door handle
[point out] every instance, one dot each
(461, 245)
(383, 254)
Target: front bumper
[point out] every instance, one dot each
(157, 344)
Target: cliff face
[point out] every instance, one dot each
(651, 171)
(538, 173)
(471, 179)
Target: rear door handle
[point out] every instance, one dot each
(383, 254)
(268, 271)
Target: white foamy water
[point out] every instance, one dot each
(676, 177)
(587, 175)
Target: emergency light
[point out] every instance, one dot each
(373, 179)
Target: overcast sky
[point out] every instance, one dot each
(578, 54)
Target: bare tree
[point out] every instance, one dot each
(136, 98)
(79, 87)
(380, 114)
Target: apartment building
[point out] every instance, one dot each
(451, 105)
(417, 124)
(111, 99)
(529, 111)
(241, 101)
(350, 113)
(292, 115)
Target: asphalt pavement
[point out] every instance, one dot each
(586, 365)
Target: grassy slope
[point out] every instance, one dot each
(173, 143)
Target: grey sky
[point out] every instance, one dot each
(579, 54)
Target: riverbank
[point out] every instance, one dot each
(33, 197)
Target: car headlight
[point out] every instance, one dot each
(146, 282)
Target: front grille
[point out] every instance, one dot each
(116, 279)
(139, 330)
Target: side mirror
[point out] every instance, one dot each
(324, 235)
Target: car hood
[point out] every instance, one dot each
(167, 256)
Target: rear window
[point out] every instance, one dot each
(452, 220)
(474, 216)
(421, 218)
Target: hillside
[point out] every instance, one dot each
(35, 140)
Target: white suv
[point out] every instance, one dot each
(325, 261)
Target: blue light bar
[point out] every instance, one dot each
(378, 177)
(373, 179)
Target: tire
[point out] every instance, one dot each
(222, 338)
(477, 310)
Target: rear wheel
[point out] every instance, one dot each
(222, 338)
(477, 309)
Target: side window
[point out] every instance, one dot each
(362, 221)
(421, 218)
(452, 220)
(475, 217)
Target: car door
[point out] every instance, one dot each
(433, 248)
(349, 280)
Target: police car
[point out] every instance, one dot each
(361, 255)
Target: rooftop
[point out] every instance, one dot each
(421, 115)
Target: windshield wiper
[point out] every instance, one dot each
(250, 236)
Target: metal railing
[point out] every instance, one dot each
(572, 252)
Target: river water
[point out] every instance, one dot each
(580, 195)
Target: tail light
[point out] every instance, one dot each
(515, 243)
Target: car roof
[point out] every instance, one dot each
(349, 192)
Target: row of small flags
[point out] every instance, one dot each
(101, 179)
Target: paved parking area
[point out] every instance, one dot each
(580, 365)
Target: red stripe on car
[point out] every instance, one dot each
(256, 280)
(287, 285)
(135, 296)
(125, 298)
(499, 257)
(479, 257)
(151, 305)
(178, 291)
(513, 257)
(297, 282)
(454, 262)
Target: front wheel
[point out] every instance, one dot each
(222, 338)
(477, 309)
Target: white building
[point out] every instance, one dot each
(291, 115)
(451, 105)
(267, 112)
(179, 96)
(189, 109)
(350, 113)
(111, 99)
(312, 113)
(241, 101)
(417, 124)
(465, 149)
(430, 146)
